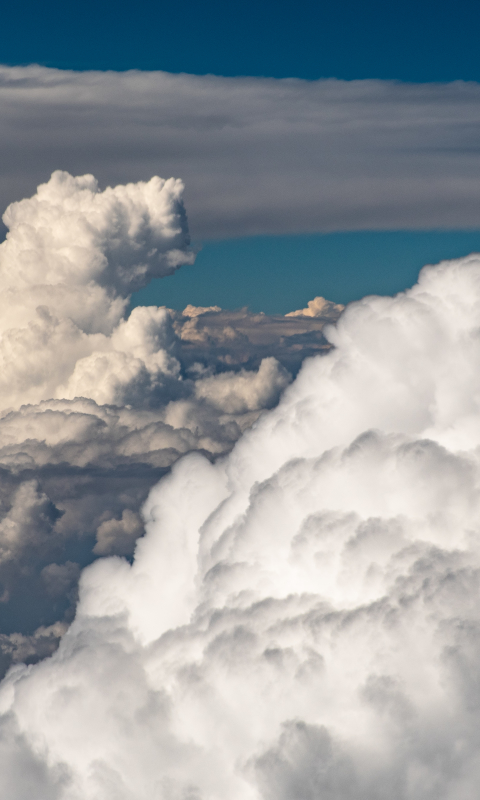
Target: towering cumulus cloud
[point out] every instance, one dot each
(70, 261)
(95, 405)
(301, 620)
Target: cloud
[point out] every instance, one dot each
(71, 259)
(119, 536)
(318, 307)
(301, 618)
(217, 339)
(97, 404)
(238, 393)
(258, 155)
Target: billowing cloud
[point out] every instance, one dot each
(98, 403)
(71, 259)
(257, 155)
(301, 618)
(318, 307)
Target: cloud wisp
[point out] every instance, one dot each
(259, 156)
(301, 618)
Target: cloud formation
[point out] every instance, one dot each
(71, 259)
(257, 155)
(220, 339)
(97, 404)
(301, 619)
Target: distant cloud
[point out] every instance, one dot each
(257, 155)
(220, 338)
(318, 307)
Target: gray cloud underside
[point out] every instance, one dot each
(257, 155)
(75, 497)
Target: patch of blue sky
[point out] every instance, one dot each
(415, 40)
(277, 274)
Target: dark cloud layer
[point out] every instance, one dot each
(223, 339)
(257, 155)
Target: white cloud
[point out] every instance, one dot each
(318, 307)
(237, 393)
(96, 406)
(301, 619)
(83, 251)
(257, 155)
(70, 261)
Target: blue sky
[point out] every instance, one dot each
(412, 41)
(280, 274)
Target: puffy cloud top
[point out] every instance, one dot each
(301, 619)
(71, 259)
(71, 233)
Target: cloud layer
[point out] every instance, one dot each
(301, 619)
(257, 155)
(225, 339)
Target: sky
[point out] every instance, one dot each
(239, 418)
(277, 274)
(413, 42)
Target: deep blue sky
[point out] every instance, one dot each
(280, 274)
(412, 41)
(409, 41)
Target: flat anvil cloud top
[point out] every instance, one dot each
(257, 155)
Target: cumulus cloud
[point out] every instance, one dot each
(318, 307)
(301, 618)
(119, 536)
(97, 404)
(71, 259)
(218, 339)
(258, 155)
(237, 393)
